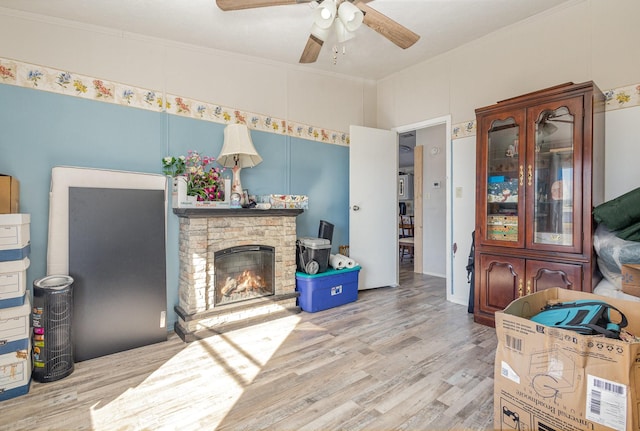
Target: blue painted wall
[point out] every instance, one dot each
(40, 130)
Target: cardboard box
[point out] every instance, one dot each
(15, 254)
(14, 327)
(631, 278)
(327, 290)
(15, 373)
(289, 202)
(14, 231)
(13, 282)
(553, 379)
(9, 195)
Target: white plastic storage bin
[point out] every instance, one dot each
(14, 327)
(14, 231)
(313, 255)
(13, 282)
(15, 373)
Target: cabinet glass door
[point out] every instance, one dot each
(551, 178)
(504, 173)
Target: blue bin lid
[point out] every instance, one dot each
(328, 272)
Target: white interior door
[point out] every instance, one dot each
(462, 166)
(373, 205)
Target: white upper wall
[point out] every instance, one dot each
(584, 40)
(579, 41)
(246, 83)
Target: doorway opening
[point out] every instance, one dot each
(422, 151)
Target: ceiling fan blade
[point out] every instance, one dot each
(395, 32)
(311, 50)
(250, 4)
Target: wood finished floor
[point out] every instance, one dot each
(396, 359)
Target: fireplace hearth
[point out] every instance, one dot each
(237, 268)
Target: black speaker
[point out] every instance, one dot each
(51, 319)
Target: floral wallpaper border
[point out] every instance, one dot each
(462, 130)
(27, 75)
(618, 98)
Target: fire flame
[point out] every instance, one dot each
(246, 281)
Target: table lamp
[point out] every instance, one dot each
(238, 152)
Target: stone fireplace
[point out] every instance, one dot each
(237, 268)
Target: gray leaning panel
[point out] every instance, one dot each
(118, 263)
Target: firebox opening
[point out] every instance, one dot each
(243, 272)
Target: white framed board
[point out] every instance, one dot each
(107, 230)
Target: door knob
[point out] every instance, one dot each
(356, 207)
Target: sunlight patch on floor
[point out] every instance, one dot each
(224, 365)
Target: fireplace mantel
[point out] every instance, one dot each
(235, 212)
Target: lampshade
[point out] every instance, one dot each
(350, 16)
(325, 14)
(238, 149)
(238, 152)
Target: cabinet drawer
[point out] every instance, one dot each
(502, 220)
(499, 236)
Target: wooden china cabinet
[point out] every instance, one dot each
(540, 172)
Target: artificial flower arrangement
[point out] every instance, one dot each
(203, 175)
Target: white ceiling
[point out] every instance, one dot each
(279, 33)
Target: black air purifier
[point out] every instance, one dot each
(51, 318)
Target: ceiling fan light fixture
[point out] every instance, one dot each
(350, 16)
(349, 13)
(547, 128)
(325, 14)
(320, 32)
(342, 33)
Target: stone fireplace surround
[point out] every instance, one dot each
(205, 231)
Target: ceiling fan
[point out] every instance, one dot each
(345, 15)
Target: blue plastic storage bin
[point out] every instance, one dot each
(327, 290)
